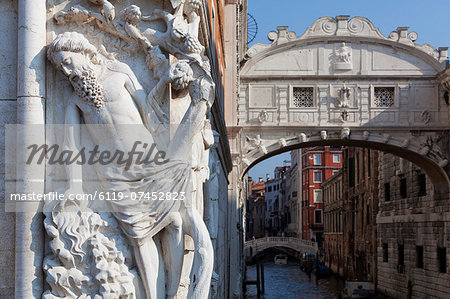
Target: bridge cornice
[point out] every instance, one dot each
(340, 29)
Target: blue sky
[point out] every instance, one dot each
(430, 19)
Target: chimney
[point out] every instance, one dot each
(260, 179)
(267, 176)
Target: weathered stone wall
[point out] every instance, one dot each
(8, 63)
(410, 221)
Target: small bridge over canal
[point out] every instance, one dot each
(254, 247)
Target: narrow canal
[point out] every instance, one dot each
(288, 281)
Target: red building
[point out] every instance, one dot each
(318, 164)
(256, 209)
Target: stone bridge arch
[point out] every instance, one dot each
(254, 247)
(344, 83)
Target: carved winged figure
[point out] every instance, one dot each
(257, 143)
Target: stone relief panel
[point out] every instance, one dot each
(393, 61)
(383, 117)
(291, 62)
(343, 59)
(306, 118)
(113, 64)
(263, 117)
(261, 96)
(425, 96)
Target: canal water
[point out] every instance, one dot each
(288, 281)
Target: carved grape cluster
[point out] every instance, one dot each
(193, 5)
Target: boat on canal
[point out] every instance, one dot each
(280, 259)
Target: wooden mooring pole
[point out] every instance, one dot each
(258, 280)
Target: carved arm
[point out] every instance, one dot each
(72, 143)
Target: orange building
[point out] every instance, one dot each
(318, 164)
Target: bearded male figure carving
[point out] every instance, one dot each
(108, 93)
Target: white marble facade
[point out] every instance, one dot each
(343, 81)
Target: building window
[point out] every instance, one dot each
(318, 216)
(270, 189)
(403, 190)
(419, 257)
(401, 255)
(336, 158)
(442, 259)
(317, 176)
(385, 253)
(317, 196)
(303, 97)
(384, 96)
(387, 192)
(317, 159)
(422, 181)
(368, 216)
(351, 172)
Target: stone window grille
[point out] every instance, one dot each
(303, 97)
(384, 96)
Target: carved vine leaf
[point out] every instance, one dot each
(84, 263)
(82, 16)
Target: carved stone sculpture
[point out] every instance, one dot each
(302, 137)
(345, 133)
(343, 58)
(108, 92)
(343, 101)
(257, 142)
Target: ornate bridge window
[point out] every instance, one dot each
(384, 96)
(303, 97)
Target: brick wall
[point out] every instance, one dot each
(408, 222)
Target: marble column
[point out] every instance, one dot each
(29, 251)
